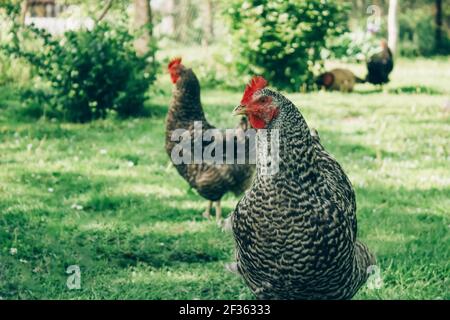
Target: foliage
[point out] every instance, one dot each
(214, 67)
(88, 73)
(352, 46)
(13, 71)
(417, 33)
(416, 36)
(283, 39)
(417, 28)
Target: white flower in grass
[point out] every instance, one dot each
(23, 260)
(77, 207)
(50, 190)
(37, 270)
(130, 164)
(103, 151)
(13, 251)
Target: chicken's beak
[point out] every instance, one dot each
(239, 110)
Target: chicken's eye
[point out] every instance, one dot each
(263, 99)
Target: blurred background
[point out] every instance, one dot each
(288, 41)
(84, 177)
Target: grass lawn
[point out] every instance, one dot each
(103, 196)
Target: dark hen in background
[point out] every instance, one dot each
(380, 65)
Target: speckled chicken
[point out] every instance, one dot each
(210, 180)
(295, 230)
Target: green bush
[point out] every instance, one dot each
(90, 73)
(417, 33)
(353, 47)
(283, 39)
(13, 71)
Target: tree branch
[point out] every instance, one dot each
(105, 11)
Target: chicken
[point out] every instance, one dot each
(210, 180)
(338, 80)
(295, 229)
(380, 65)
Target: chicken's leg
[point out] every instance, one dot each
(207, 212)
(218, 211)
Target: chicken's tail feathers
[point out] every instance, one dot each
(243, 178)
(364, 258)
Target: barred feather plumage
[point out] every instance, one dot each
(295, 230)
(211, 181)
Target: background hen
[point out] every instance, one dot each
(295, 230)
(338, 79)
(211, 181)
(380, 65)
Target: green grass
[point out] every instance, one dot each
(140, 234)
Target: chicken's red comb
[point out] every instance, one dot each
(174, 62)
(257, 83)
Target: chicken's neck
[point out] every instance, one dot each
(186, 105)
(296, 153)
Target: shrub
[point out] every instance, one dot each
(14, 71)
(417, 33)
(90, 72)
(416, 38)
(283, 39)
(352, 46)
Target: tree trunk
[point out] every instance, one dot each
(143, 23)
(208, 30)
(23, 11)
(171, 16)
(183, 20)
(438, 35)
(393, 25)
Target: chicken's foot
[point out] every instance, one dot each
(218, 211)
(207, 212)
